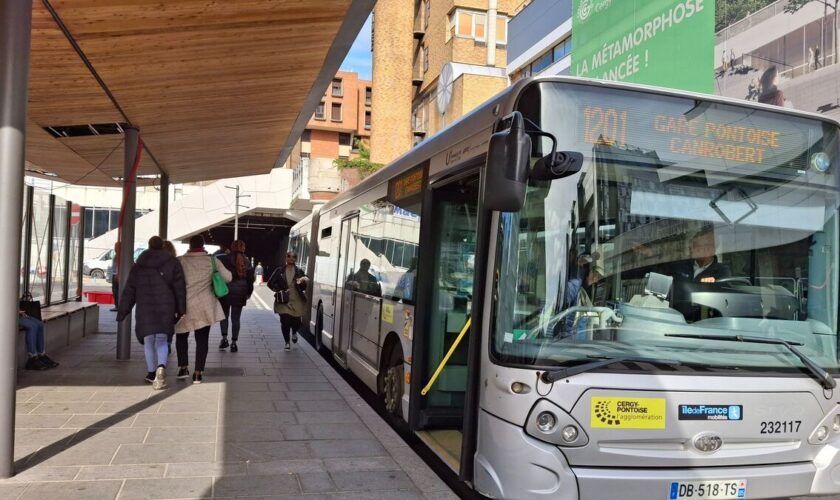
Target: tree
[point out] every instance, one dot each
(795, 5)
(729, 12)
(362, 163)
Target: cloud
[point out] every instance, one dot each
(359, 57)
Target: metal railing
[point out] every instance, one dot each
(751, 20)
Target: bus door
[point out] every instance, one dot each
(344, 295)
(448, 266)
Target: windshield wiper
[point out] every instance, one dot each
(555, 375)
(823, 377)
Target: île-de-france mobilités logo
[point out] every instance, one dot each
(587, 7)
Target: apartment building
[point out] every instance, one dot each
(342, 117)
(540, 39)
(433, 62)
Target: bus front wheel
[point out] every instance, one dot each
(392, 382)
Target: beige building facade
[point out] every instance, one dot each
(343, 117)
(447, 55)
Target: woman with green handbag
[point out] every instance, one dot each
(206, 280)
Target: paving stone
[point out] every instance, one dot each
(206, 469)
(181, 435)
(262, 451)
(257, 396)
(371, 480)
(259, 419)
(62, 396)
(182, 487)
(244, 405)
(361, 464)
(255, 485)
(121, 471)
(330, 405)
(327, 417)
(77, 490)
(25, 408)
(310, 386)
(176, 420)
(165, 453)
(66, 408)
(346, 448)
(197, 406)
(247, 433)
(79, 454)
(286, 467)
(99, 421)
(11, 491)
(112, 407)
(316, 482)
(46, 473)
(313, 395)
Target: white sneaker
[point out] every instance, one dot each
(160, 379)
(288, 347)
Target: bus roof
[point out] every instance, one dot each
(485, 115)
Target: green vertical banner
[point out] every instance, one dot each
(668, 43)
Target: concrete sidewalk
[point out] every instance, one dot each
(265, 423)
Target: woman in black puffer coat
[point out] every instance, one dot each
(156, 284)
(239, 291)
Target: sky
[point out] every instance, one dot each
(359, 58)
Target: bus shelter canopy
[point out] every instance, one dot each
(217, 88)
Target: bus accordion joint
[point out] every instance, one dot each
(445, 359)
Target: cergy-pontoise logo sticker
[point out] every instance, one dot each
(628, 413)
(587, 7)
(711, 412)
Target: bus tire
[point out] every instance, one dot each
(392, 380)
(319, 326)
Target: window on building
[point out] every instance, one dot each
(320, 111)
(427, 8)
(335, 112)
(344, 139)
(543, 62)
(425, 59)
(480, 27)
(368, 96)
(464, 24)
(337, 87)
(306, 136)
(501, 30)
(367, 119)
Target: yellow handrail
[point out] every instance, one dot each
(446, 358)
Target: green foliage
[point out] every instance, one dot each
(730, 11)
(362, 163)
(795, 5)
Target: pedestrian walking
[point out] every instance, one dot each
(258, 273)
(113, 275)
(239, 291)
(203, 308)
(289, 286)
(157, 287)
(817, 57)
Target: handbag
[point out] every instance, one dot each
(281, 297)
(220, 288)
(31, 307)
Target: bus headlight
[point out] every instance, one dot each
(820, 162)
(546, 421)
(550, 423)
(569, 434)
(822, 433)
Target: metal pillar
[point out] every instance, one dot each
(15, 39)
(126, 256)
(163, 222)
(27, 237)
(80, 256)
(50, 246)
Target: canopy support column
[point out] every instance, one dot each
(163, 224)
(15, 40)
(126, 254)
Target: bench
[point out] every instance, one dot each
(64, 325)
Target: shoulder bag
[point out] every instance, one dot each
(220, 288)
(31, 307)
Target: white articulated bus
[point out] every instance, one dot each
(596, 290)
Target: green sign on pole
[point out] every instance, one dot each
(668, 43)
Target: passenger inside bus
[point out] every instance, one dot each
(363, 281)
(405, 286)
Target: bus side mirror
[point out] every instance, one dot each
(508, 162)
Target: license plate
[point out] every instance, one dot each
(732, 488)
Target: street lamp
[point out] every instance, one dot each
(236, 211)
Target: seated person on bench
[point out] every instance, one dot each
(35, 343)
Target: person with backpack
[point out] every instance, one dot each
(203, 308)
(156, 285)
(239, 291)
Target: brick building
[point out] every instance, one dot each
(433, 62)
(342, 117)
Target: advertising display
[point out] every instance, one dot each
(667, 43)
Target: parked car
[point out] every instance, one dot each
(98, 267)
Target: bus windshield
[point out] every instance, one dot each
(688, 217)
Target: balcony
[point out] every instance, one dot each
(314, 181)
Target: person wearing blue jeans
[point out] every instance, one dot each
(35, 347)
(156, 347)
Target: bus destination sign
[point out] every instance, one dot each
(409, 186)
(702, 137)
